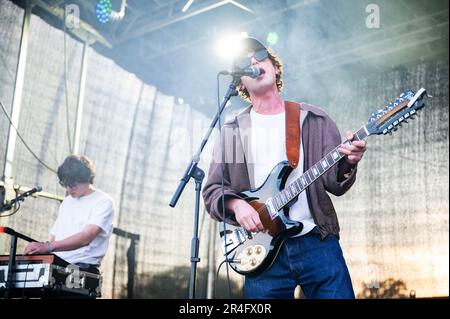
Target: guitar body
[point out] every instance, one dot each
(252, 253)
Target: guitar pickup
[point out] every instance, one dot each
(273, 213)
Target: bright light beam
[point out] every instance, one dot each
(187, 5)
(228, 47)
(237, 4)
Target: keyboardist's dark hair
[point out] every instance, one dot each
(76, 169)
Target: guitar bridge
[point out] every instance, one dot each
(232, 240)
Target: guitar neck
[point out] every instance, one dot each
(314, 172)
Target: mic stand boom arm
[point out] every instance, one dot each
(198, 174)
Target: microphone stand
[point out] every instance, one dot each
(19, 198)
(198, 174)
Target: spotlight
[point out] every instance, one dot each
(103, 10)
(228, 47)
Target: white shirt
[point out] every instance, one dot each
(74, 214)
(268, 147)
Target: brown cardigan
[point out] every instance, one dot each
(319, 135)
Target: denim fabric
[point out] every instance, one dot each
(318, 266)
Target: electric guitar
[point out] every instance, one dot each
(252, 253)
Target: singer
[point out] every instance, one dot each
(269, 131)
(83, 227)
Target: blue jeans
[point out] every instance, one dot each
(318, 266)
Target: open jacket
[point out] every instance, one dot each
(319, 135)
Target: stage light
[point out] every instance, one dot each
(103, 10)
(272, 38)
(228, 46)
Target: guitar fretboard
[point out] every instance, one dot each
(313, 173)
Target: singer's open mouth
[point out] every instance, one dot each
(262, 72)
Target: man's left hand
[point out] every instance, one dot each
(355, 151)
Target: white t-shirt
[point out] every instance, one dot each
(268, 147)
(74, 214)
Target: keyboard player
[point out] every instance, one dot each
(82, 230)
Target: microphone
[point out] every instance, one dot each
(21, 197)
(251, 71)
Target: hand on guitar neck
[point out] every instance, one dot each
(354, 151)
(245, 214)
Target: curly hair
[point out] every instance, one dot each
(76, 169)
(278, 64)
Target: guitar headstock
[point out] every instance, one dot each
(392, 116)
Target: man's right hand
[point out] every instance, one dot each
(34, 248)
(245, 214)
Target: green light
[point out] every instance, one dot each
(103, 10)
(272, 38)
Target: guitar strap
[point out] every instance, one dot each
(292, 132)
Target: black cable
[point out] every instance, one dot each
(222, 187)
(23, 141)
(217, 277)
(16, 210)
(18, 207)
